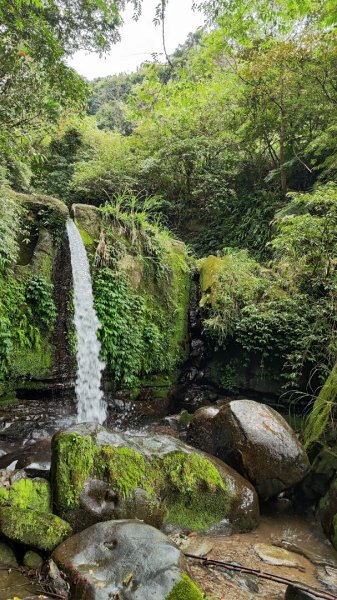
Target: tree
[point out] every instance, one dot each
(35, 83)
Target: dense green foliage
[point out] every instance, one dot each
(231, 145)
(132, 342)
(36, 83)
(287, 309)
(26, 299)
(140, 282)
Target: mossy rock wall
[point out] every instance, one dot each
(99, 475)
(141, 282)
(27, 300)
(239, 303)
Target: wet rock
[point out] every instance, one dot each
(99, 475)
(193, 396)
(197, 546)
(125, 559)
(273, 555)
(34, 528)
(14, 584)
(7, 556)
(200, 431)
(317, 482)
(327, 575)
(35, 460)
(16, 489)
(327, 513)
(32, 560)
(294, 593)
(249, 583)
(54, 578)
(254, 439)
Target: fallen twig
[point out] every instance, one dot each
(208, 562)
(52, 594)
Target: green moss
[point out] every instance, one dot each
(185, 589)
(31, 493)
(185, 418)
(189, 472)
(4, 496)
(88, 240)
(33, 362)
(7, 556)
(180, 296)
(124, 468)
(34, 528)
(8, 399)
(73, 461)
(209, 269)
(193, 513)
(197, 495)
(32, 560)
(161, 383)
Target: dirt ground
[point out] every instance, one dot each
(315, 561)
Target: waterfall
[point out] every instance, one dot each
(91, 406)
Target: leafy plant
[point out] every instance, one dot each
(132, 339)
(39, 295)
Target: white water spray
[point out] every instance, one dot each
(91, 407)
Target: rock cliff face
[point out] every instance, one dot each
(34, 302)
(141, 281)
(141, 289)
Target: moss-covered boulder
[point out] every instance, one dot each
(99, 475)
(17, 490)
(32, 560)
(141, 283)
(40, 530)
(126, 559)
(7, 556)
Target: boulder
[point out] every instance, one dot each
(7, 556)
(327, 513)
(34, 528)
(16, 489)
(317, 482)
(32, 560)
(124, 559)
(34, 459)
(201, 429)
(254, 439)
(99, 475)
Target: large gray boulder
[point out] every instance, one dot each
(127, 560)
(98, 475)
(255, 440)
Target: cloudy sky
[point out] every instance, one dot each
(140, 39)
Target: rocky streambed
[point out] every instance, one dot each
(95, 513)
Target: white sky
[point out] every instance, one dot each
(140, 39)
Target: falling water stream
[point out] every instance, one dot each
(91, 406)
